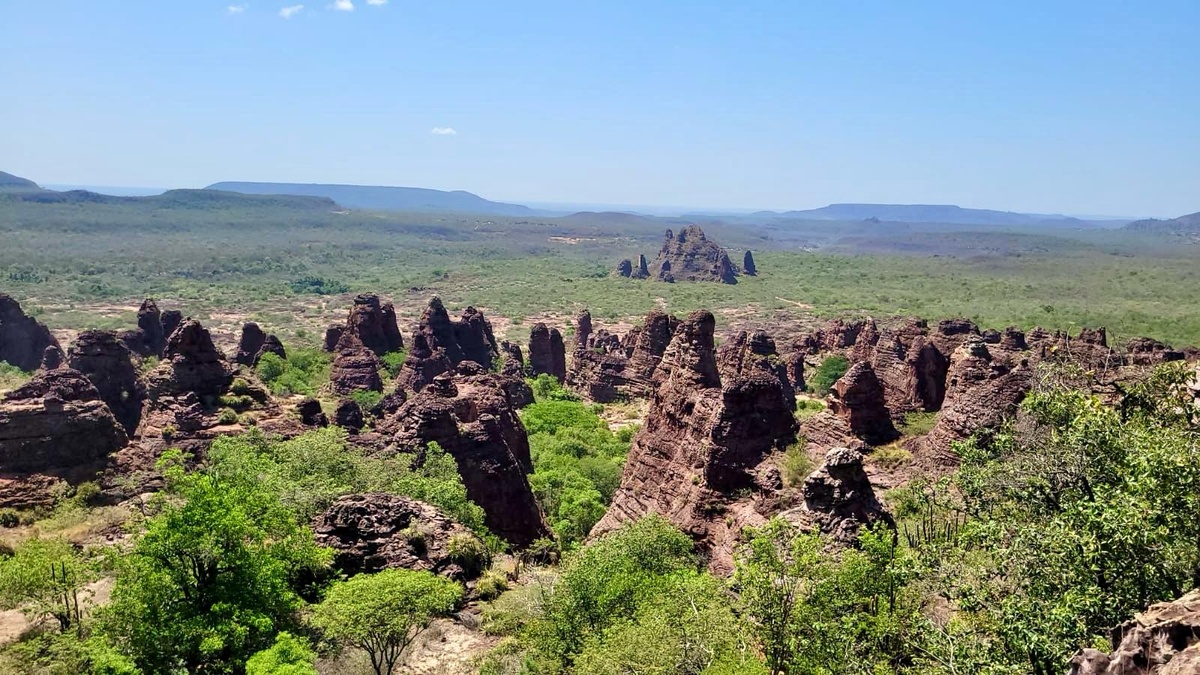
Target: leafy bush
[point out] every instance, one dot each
(393, 362)
(304, 371)
(829, 372)
(227, 416)
(11, 376)
(796, 465)
(918, 423)
(491, 585)
(890, 456)
(367, 399)
(317, 286)
(546, 388)
(46, 578)
(469, 552)
(290, 655)
(9, 518)
(807, 407)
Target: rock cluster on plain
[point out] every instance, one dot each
(440, 344)
(191, 364)
(23, 339)
(355, 367)
(857, 415)
(606, 367)
(839, 500)
(254, 342)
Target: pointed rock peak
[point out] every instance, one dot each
(748, 264)
(349, 343)
(691, 355)
(435, 306)
(191, 340)
(52, 358)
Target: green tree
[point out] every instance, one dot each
(212, 578)
(290, 655)
(383, 613)
(45, 577)
(830, 371)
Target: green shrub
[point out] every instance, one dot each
(86, 493)
(237, 403)
(9, 518)
(304, 371)
(393, 362)
(227, 416)
(491, 585)
(290, 655)
(918, 423)
(240, 387)
(890, 456)
(168, 432)
(547, 388)
(829, 372)
(468, 552)
(807, 408)
(367, 399)
(796, 464)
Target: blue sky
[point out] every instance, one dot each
(1049, 106)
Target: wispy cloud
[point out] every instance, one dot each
(290, 11)
(377, 3)
(343, 5)
(444, 131)
(236, 9)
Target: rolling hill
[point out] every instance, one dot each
(11, 182)
(925, 213)
(1189, 225)
(381, 198)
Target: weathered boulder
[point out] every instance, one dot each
(702, 444)
(311, 414)
(108, 365)
(1163, 640)
(150, 337)
(474, 419)
(625, 268)
(373, 322)
(376, 531)
(512, 361)
(547, 352)
(23, 339)
(171, 320)
(332, 335)
(839, 499)
(857, 414)
(191, 364)
(250, 343)
(349, 415)
(355, 368)
(748, 266)
(422, 364)
(689, 256)
(53, 428)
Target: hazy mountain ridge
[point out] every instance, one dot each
(925, 213)
(1189, 224)
(11, 182)
(382, 198)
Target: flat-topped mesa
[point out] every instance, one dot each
(102, 358)
(53, 428)
(191, 364)
(23, 339)
(355, 368)
(474, 419)
(698, 458)
(689, 256)
(373, 321)
(547, 352)
(607, 368)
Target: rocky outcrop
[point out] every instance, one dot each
(373, 322)
(689, 256)
(512, 361)
(950, 333)
(1163, 640)
(172, 319)
(755, 352)
(1145, 351)
(607, 368)
(349, 415)
(422, 364)
(53, 428)
(23, 339)
(333, 334)
(547, 352)
(191, 364)
(355, 368)
(982, 390)
(474, 419)
(703, 443)
(254, 343)
(108, 365)
(440, 344)
(912, 371)
(839, 500)
(857, 414)
(311, 414)
(748, 266)
(150, 337)
(625, 268)
(377, 531)
(642, 270)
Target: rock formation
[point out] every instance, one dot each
(332, 335)
(23, 340)
(512, 363)
(1145, 351)
(608, 368)
(53, 428)
(150, 337)
(191, 365)
(1163, 640)
(474, 419)
(748, 266)
(108, 365)
(440, 344)
(911, 369)
(373, 322)
(755, 353)
(982, 390)
(349, 415)
(690, 256)
(642, 270)
(355, 368)
(422, 364)
(376, 531)
(839, 499)
(857, 414)
(625, 268)
(311, 414)
(547, 352)
(171, 320)
(249, 345)
(702, 443)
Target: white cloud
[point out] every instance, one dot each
(236, 9)
(290, 11)
(377, 3)
(343, 5)
(444, 131)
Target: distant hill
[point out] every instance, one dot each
(924, 213)
(384, 198)
(1189, 224)
(11, 182)
(177, 199)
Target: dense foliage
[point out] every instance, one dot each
(828, 373)
(576, 457)
(302, 372)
